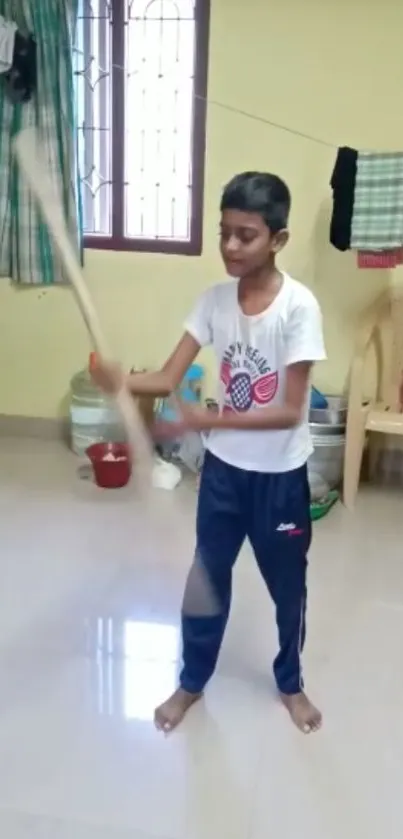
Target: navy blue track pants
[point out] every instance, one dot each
(272, 511)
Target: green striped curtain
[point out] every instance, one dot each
(26, 252)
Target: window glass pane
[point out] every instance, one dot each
(155, 77)
(93, 86)
(160, 42)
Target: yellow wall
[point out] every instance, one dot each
(331, 68)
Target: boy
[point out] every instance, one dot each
(266, 330)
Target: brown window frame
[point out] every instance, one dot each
(117, 241)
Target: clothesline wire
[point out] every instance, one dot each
(258, 118)
(241, 112)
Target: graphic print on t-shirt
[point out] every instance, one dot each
(247, 378)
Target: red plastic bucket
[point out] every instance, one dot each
(109, 473)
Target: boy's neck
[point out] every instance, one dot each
(263, 280)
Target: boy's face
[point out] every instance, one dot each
(246, 243)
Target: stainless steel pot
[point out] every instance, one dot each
(334, 415)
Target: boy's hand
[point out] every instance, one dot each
(193, 418)
(109, 377)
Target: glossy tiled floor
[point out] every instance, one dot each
(89, 603)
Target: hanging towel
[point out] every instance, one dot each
(343, 184)
(7, 39)
(380, 259)
(377, 223)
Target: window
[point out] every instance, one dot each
(141, 73)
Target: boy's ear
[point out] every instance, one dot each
(280, 240)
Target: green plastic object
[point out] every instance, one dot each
(320, 508)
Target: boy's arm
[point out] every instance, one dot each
(287, 415)
(163, 382)
(198, 333)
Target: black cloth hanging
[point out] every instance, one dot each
(343, 185)
(21, 78)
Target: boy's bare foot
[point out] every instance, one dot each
(305, 716)
(168, 715)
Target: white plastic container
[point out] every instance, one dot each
(326, 461)
(94, 417)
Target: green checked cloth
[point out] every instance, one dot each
(26, 250)
(377, 223)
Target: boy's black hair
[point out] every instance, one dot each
(262, 193)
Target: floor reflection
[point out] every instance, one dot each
(136, 665)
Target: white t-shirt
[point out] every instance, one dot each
(253, 353)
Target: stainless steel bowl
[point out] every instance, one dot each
(334, 415)
(320, 429)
